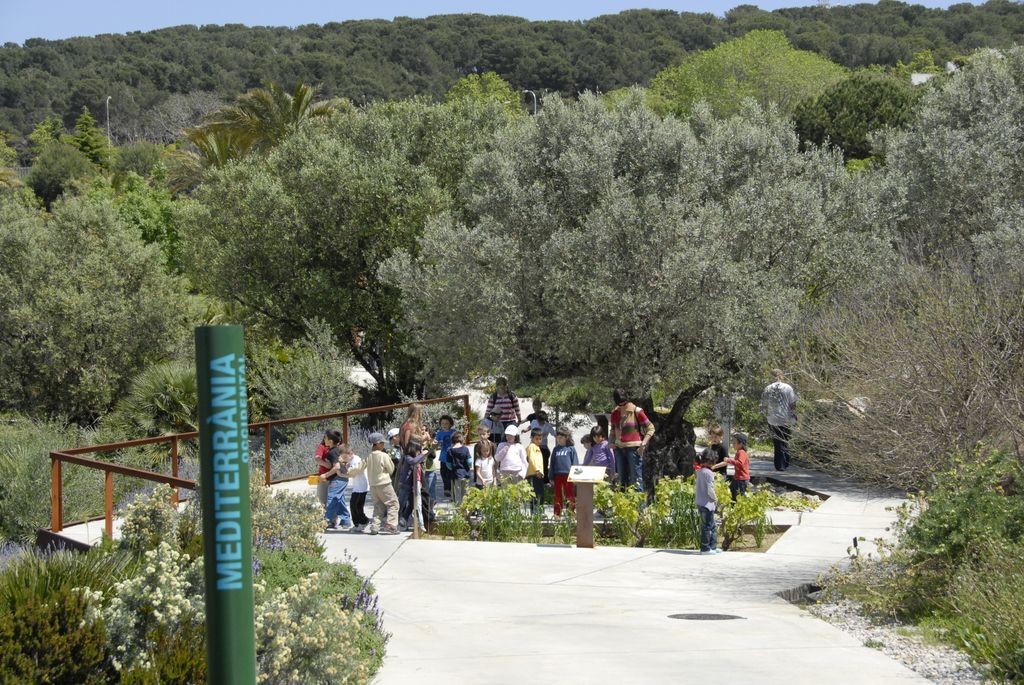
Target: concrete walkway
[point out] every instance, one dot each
(477, 612)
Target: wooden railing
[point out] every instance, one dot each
(73, 456)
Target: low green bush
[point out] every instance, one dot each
(47, 640)
(179, 656)
(164, 597)
(627, 520)
(986, 612)
(670, 520)
(500, 513)
(35, 576)
(25, 446)
(970, 508)
(281, 569)
(956, 562)
(746, 512)
(135, 613)
(304, 635)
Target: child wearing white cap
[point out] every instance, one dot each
(511, 458)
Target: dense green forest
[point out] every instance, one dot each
(162, 80)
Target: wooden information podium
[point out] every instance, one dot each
(584, 477)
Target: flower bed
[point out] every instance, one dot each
(626, 518)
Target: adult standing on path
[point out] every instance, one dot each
(506, 402)
(412, 427)
(411, 430)
(631, 430)
(778, 404)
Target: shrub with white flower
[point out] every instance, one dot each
(285, 520)
(167, 593)
(301, 638)
(148, 520)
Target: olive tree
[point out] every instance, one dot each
(625, 249)
(925, 365)
(955, 176)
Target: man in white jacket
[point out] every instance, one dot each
(778, 404)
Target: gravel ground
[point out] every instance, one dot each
(939, 664)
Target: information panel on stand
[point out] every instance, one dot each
(587, 474)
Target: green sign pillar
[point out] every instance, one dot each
(227, 520)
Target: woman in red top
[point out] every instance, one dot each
(323, 466)
(506, 402)
(741, 479)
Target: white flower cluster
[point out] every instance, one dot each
(167, 592)
(301, 637)
(148, 520)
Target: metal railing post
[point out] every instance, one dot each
(465, 413)
(344, 429)
(56, 495)
(108, 503)
(266, 453)
(174, 468)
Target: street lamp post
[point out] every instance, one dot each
(534, 100)
(108, 116)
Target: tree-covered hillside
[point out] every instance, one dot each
(160, 78)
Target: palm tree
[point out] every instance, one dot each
(264, 116)
(162, 399)
(259, 120)
(213, 148)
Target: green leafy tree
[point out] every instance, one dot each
(140, 158)
(8, 155)
(847, 113)
(148, 209)
(486, 87)
(49, 130)
(84, 306)
(299, 235)
(762, 65)
(922, 62)
(90, 140)
(56, 168)
(637, 251)
(311, 222)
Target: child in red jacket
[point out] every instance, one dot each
(741, 479)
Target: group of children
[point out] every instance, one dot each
(713, 458)
(498, 457)
(340, 467)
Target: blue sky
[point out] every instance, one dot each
(22, 19)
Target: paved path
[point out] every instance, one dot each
(476, 612)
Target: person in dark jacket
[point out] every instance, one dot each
(563, 458)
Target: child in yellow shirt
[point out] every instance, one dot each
(535, 468)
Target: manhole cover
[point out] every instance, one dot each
(705, 617)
